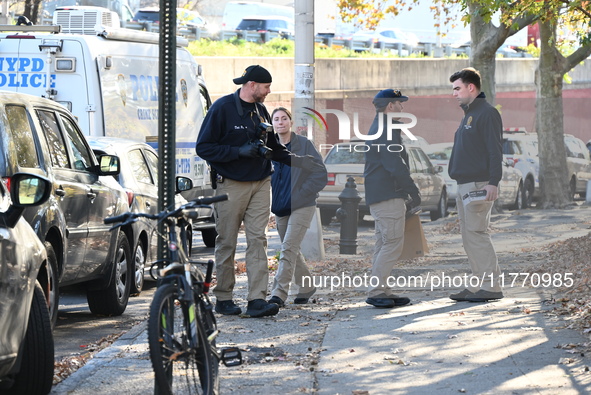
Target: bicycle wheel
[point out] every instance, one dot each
(178, 367)
(210, 325)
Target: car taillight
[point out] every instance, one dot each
(331, 178)
(130, 196)
(7, 182)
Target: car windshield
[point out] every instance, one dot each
(251, 24)
(441, 154)
(344, 154)
(147, 16)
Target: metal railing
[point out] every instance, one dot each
(402, 50)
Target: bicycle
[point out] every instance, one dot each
(182, 329)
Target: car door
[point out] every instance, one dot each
(102, 198)
(69, 186)
(419, 173)
(149, 160)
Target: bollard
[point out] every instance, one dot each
(348, 214)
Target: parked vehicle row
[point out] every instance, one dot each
(522, 148)
(346, 160)
(511, 193)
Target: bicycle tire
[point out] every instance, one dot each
(210, 325)
(178, 369)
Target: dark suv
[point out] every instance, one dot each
(41, 137)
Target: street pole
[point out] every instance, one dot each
(166, 113)
(304, 66)
(312, 244)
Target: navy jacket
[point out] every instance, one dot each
(477, 154)
(230, 123)
(293, 187)
(386, 172)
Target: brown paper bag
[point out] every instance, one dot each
(415, 244)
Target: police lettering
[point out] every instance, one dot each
(24, 73)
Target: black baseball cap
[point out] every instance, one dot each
(254, 73)
(388, 95)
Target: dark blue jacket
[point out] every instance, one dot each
(226, 127)
(477, 154)
(386, 172)
(292, 187)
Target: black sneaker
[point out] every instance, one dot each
(277, 300)
(484, 296)
(382, 303)
(260, 308)
(461, 296)
(305, 297)
(227, 307)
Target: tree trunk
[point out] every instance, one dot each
(483, 48)
(554, 185)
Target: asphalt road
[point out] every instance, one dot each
(78, 331)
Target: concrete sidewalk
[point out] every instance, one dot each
(513, 346)
(340, 345)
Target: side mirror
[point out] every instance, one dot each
(29, 189)
(510, 163)
(183, 184)
(438, 169)
(109, 165)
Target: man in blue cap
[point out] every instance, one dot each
(387, 186)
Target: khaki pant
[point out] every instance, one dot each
(474, 221)
(292, 229)
(248, 202)
(389, 218)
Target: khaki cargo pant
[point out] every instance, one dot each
(292, 229)
(474, 221)
(248, 202)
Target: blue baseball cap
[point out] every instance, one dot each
(388, 95)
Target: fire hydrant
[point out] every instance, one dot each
(347, 215)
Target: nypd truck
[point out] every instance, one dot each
(108, 78)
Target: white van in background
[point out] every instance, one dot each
(108, 78)
(236, 10)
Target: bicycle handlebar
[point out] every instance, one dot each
(129, 216)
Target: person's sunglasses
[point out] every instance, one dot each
(397, 93)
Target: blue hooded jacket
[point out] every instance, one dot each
(293, 187)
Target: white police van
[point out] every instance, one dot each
(108, 78)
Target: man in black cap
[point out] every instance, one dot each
(387, 185)
(236, 146)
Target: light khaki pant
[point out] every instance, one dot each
(248, 202)
(389, 218)
(292, 229)
(474, 221)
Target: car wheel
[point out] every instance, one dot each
(326, 215)
(519, 202)
(572, 188)
(139, 260)
(36, 371)
(528, 193)
(113, 299)
(441, 207)
(53, 286)
(208, 236)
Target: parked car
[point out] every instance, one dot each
(522, 148)
(184, 18)
(578, 163)
(345, 160)
(41, 137)
(510, 187)
(139, 178)
(386, 36)
(26, 340)
(268, 23)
